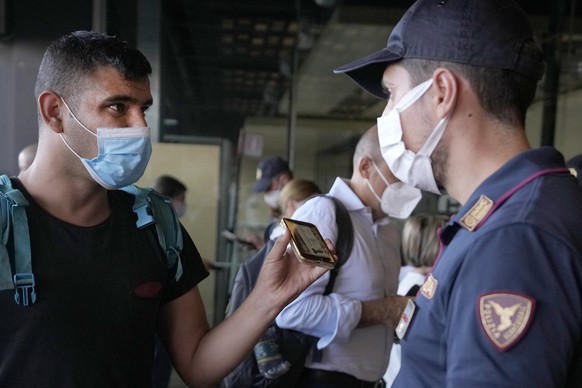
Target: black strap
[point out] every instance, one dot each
(343, 245)
(344, 242)
(413, 290)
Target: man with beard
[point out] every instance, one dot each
(502, 304)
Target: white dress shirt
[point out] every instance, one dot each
(371, 272)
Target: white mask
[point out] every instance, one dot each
(398, 199)
(272, 198)
(180, 208)
(412, 169)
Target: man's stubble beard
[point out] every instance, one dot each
(439, 160)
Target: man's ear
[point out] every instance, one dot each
(447, 90)
(283, 179)
(365, 166)
(51, 110)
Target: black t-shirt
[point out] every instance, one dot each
(99, 290)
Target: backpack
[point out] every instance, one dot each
(150, 207)
(294, 346)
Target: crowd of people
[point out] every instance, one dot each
(487, 290)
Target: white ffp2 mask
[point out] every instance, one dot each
(412, 169)
(398, 199)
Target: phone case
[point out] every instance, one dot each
(309, 246)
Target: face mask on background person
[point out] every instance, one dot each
(123, 154)
(180, 208)
(398, 199)
(272, 198)
(412, 169)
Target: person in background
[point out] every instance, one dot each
(173, 189)
(103, 288)
(420, 247)
(176, 190)
(272, 174)
(355, 322)
(501, 306)
(26, 156)
(293, 195)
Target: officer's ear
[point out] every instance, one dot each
(51, 110)
(446, 90)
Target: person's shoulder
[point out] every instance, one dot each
(323, 201)
(317, 210)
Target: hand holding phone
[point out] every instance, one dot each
(309, 246)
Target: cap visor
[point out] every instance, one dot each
(261, 185)
(368, 71)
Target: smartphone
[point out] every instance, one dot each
(309, 246)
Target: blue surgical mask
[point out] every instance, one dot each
(123, 154)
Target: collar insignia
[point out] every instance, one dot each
(505, 317)
(477, 213)
(429, 287)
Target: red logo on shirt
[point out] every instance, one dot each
(148, 289)
(505, 317)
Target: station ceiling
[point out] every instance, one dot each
(224, 61)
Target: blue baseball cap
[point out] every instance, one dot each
(267, 169)
(485, 33)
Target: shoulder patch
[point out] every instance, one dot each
(429, 287)
(477, 213)
(505, 317)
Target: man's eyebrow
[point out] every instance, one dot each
(125, 98)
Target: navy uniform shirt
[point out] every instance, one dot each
(502, 306)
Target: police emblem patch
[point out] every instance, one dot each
(505, 317)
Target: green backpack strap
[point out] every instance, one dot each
(152, 207)
(13, 214)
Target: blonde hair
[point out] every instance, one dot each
(420, 244)
(297, 190)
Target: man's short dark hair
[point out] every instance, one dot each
(69, 59)
(169, 186)
(505, 94)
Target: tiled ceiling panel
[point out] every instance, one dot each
(225, 61)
